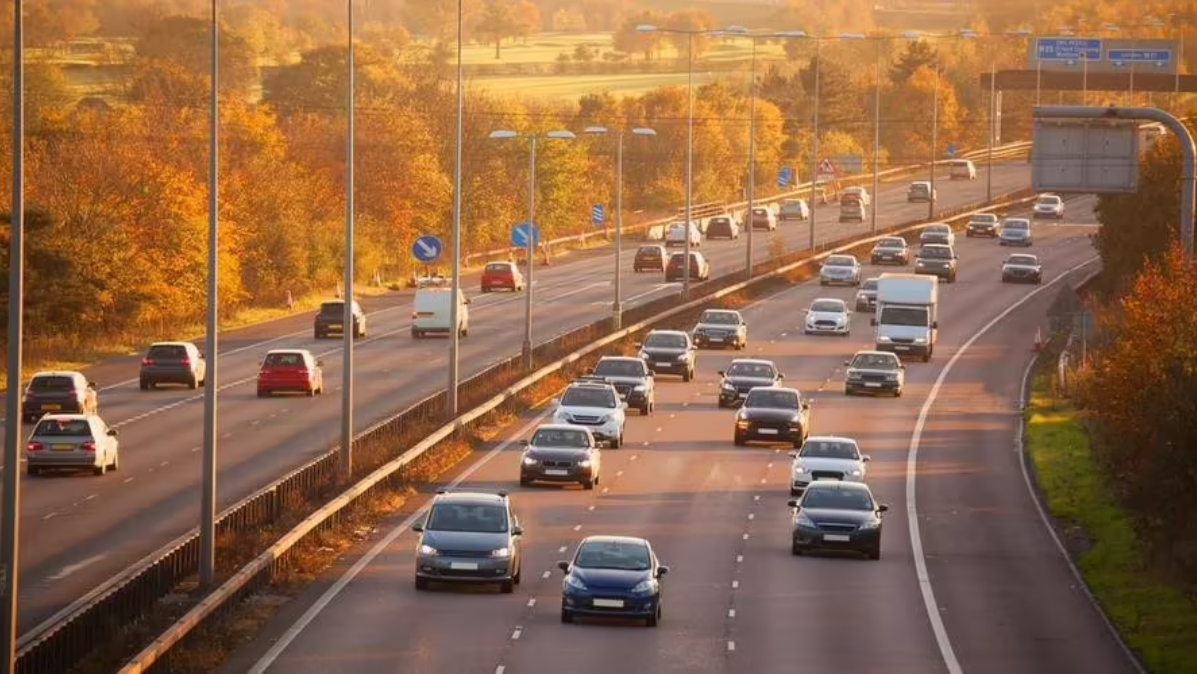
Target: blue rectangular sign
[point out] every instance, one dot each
(1140, 55)
(1067, 49)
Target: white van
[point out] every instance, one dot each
(430, 312)
(962, 169)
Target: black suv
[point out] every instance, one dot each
(331, 320)
(469, 537)
(59, 392)
(632, 379)
(937, 259)
(669, 352)
(649, 257)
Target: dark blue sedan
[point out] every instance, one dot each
(614, 577)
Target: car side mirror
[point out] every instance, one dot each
(847, 363)
(320, 362)
(901, 367)
(720, 373)
(555, 402)
(638, 344)
(563, 565)
(418, 528)
(623, 406)
(793, 503)
(781, 376)
(882, 508)
(524, 443)
(467, 300)
(793, 455)
(662, 570)
(112, 432)
(517, 530)
(866, 458)
(91, 384)
(806, 404)
(744, 323)
(872, 323)
(934, 325)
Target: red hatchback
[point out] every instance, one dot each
(290, 370)
(503, 275)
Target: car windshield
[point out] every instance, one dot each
(891, 243)
(284, 360)
(63, 427)
(774, 400)
(870, 284)
(936, 253)
(588, 396)
(620, 368)
(836, 499)
(841, 261)
(613, 555)
(332, 309)
(497, 268)
(677, 259)
(719, 318)
(664, 341)
(561, 437)
(791, 204)
(487, 519)
(908, 316)
(937, 231)
(827, 307)
(171, 351)
(829, 449)
(1030, 260)
(875, 361)
(1015, 224)
(1048, 201)
(984, 217)
(756, 370)
(649, 252)
(52, 383)
(760, 211)
(919, 187)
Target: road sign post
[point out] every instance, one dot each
(951, 151)
(598, 215)
(527, 236)
(826, 173)
(784, 177)
(427, 249)
(1068, 49)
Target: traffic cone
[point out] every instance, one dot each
(1038, 346)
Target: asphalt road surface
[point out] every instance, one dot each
(77, 531)
(1004, 599)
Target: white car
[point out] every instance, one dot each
(826, 457)
(840, 270)
(1049, 206)
(828, 317)
(595, 406)
(675, 235)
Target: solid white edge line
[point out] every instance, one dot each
(350, 574)
(912, 517)
(1023, 459)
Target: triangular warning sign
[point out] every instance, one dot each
(826, 166)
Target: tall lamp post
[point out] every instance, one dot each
(455, 281)
(647, 28)
(207, 560)
(617, 305)
(741, 31)
(504, 134)
(349, 332)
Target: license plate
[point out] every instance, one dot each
(51, 407)
(557, 472)
(836, 538)
(463, 566)
(335, 327)
(741, 395)
(663, 364)
(608, 603)
(872, 384)
(767, 431)
(901, 348)
(62, 448)
(715, 339)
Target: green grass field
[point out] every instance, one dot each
(1156, 620)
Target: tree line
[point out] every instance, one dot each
(1141, 390)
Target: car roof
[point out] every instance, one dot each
(272, 351)
(776, 388)
(871, 352)
(936, 245)
(66, 417)
(938, 225)
(753, 361)
(561, 427)
(607, 538)
(832, 438)
(622, 359)
(471, 497)
(839, 485)
(57, 373)
(1030, 255)
(1016, 220)
(920, 182)
(720, 311)
(668, 332)
(171, 344)
(828, 299)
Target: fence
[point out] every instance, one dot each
(70, 636)
(259, 572)
(799, 191)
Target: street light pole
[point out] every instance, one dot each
(455, 281)
(751, 159)
(993, 110)
(347, 329)
(207, 560)
(814, 159)
(10, 538)
(689, 161)
(934, 138)
(876, 143)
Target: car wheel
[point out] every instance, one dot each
(507, 587)
(588, 485)
(875, 553)
(143, 385)
(116, 461)
(33, 471)
(898, 392)
(654, 619)
(687, 375)
(525, 482)
(795, 550)
(193, 384)
(738, 441)
(849, 392)
(311, 392)
(645, 409)
(100, 469)
(617, 442)
(519, 574)
(566, 616)
(421, 583)
(262, 394)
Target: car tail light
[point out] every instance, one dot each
(187, 361)
(303, 371)
(414, 315)
(147, 361)
(88, 446)
(34, 447)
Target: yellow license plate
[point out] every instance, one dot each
(51, 407)
(62, 448)
(335, 327)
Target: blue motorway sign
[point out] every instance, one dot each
(1140, 55)
(785, 176)
(520, 235)
(951, 150)
(1067, 49)
(427, 249)
(598, 215)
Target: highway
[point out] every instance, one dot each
(1004, 599)
(79, 530)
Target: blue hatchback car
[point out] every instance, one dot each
(615, 577)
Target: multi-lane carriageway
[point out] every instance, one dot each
(1002, 596)
(78, 531)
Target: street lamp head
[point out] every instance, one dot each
(968, 33)
(789, 34)
(503, 134)
(1021, 32)
(561, 135)
(643, 131)
(735, 30)
(646, 28)
(912, 35)
(853, 36)
(595, 129)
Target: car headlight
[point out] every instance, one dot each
(882, 339)
(683, 356)
(741, 422)
(800, 470)
(573, 582)
(920, 340)
(640, 387)
(871, 524)
(854, 375)
(584, 463)
(804, 521)
(501, 553)
(529, 461)
(891, 377)
(561, 415)
(855, 472)
(645, 587)
(428, 550)
(727, 387)
(607, 418)
(642, 355)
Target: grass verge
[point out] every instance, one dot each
(1156, 620)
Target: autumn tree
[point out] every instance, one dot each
(186, 41)
(918, 54)
(909, 116)
(498, 21)
(631, 41)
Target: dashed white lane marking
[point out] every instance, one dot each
(619, 473)
(735, 584)
(769, 466)
(50, 516)
(746, 535)
(731, 612)
(545, 575)
(577, 527)
(605, 490)
(500, 669)
(739, 559)
(515, 636)
(672, 416)
(561, 550)
(532, 602)
(756, 497)
(731, 646)
(751, 516)
(763, 480)
(590, 508)
(633, 458)
(195, 449)
(90, 497)
(128, 480)
(164, 464)
(226, 436)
